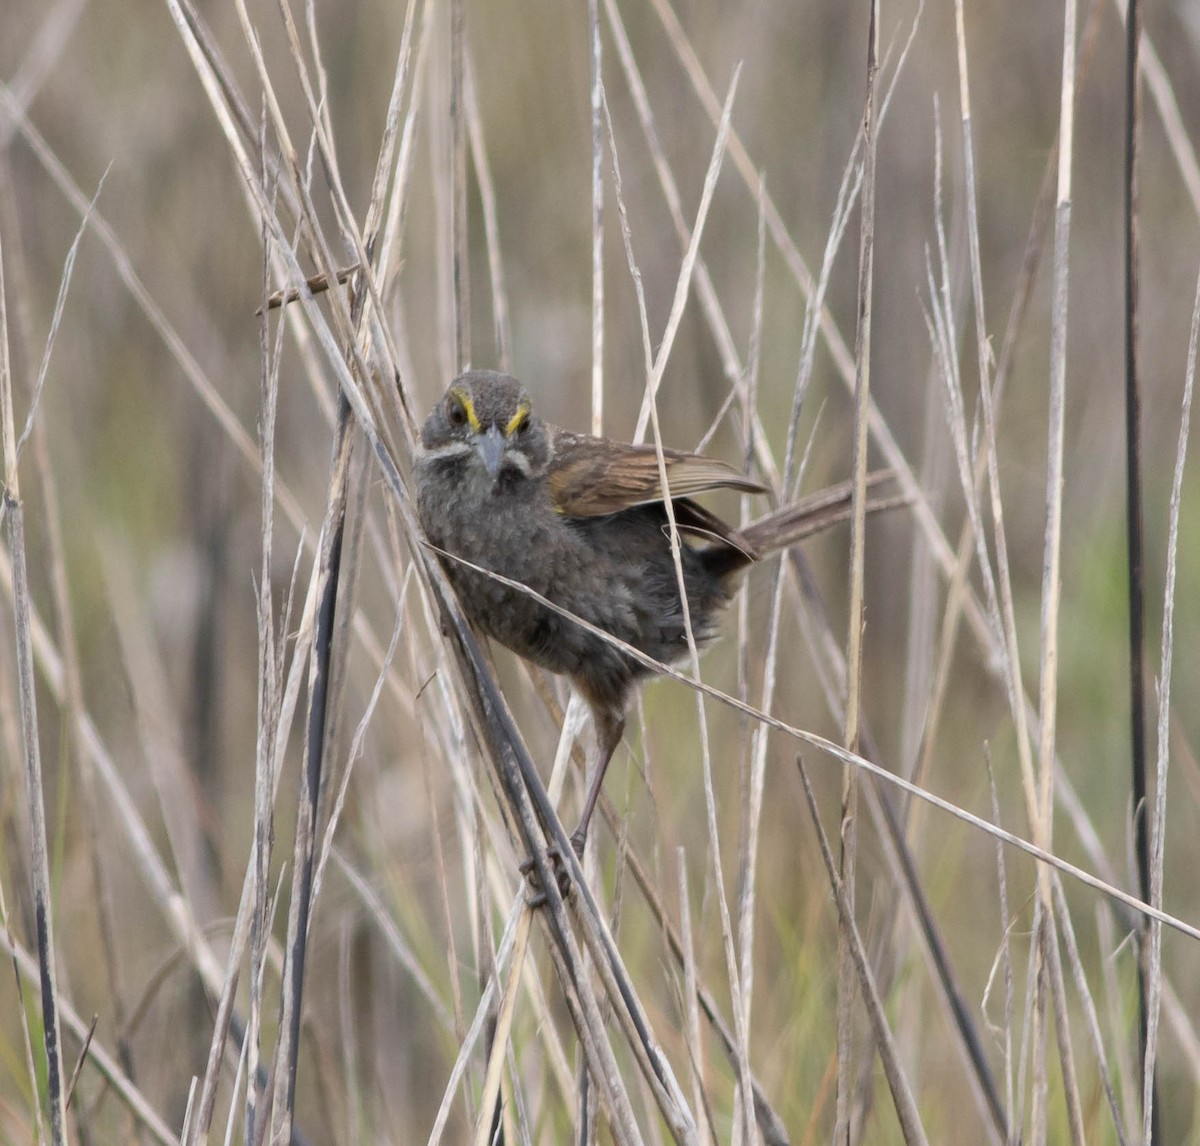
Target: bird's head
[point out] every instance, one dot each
(487, 420)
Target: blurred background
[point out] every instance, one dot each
(160, 510)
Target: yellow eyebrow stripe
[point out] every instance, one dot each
(515, 421)
(468, 406)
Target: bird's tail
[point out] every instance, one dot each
(812, 514)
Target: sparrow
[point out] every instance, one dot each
(582, 521)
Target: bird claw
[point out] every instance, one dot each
(535, 894)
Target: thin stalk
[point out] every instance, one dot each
(1135, 554)
(1052, 558)
(597, 221)
(34, 784)
(1159, 823)
(862, 398)
(689, 1006)
(458, 198)
(491, 224)
(287, 1050)
(902, 1096)
(71, 704)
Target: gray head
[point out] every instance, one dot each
(487, 420)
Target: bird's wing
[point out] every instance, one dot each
(591, 477)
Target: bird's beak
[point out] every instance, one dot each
(490, 447)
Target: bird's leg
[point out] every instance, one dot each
(610, 727)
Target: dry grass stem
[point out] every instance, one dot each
(905, 1104)
(180, 564)
(1158, 824)
(30, 743)
(848, 831)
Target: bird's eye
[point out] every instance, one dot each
(518, 423)
(457, 414)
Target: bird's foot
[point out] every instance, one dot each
(535, 894)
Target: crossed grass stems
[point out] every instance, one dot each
(364, 409)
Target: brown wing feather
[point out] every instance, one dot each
(591, 477)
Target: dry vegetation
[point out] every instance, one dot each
(273, 794)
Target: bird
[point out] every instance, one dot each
(582, 522)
